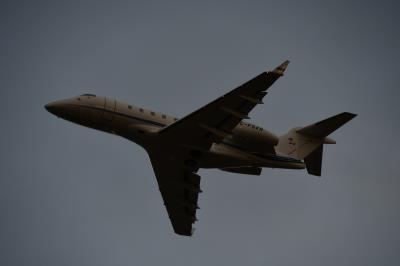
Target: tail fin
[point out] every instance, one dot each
(307, 142)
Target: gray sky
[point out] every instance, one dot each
(74, 196)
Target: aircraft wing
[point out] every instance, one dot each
(181, 143)
(216, 120)
(179, 186)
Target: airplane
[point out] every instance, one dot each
(217, 135)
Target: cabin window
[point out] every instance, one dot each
(164, 116)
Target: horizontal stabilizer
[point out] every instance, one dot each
(327, 126)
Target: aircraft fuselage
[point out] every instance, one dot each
(249, 145)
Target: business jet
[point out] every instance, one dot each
(217, 135)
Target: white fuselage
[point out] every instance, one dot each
(249, 144)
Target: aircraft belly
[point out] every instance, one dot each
(221, 156)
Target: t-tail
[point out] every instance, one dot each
(307, 142)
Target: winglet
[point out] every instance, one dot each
(281, 68)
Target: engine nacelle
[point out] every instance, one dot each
(253, 138)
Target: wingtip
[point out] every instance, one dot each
(350, 115)
(281, 68)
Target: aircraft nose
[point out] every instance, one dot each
(52, 108)
(49, 107)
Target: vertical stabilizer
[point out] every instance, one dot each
(313, 161)
(307, 142)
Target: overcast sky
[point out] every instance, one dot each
(75, 196)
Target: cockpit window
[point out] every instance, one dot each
(88, 94)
